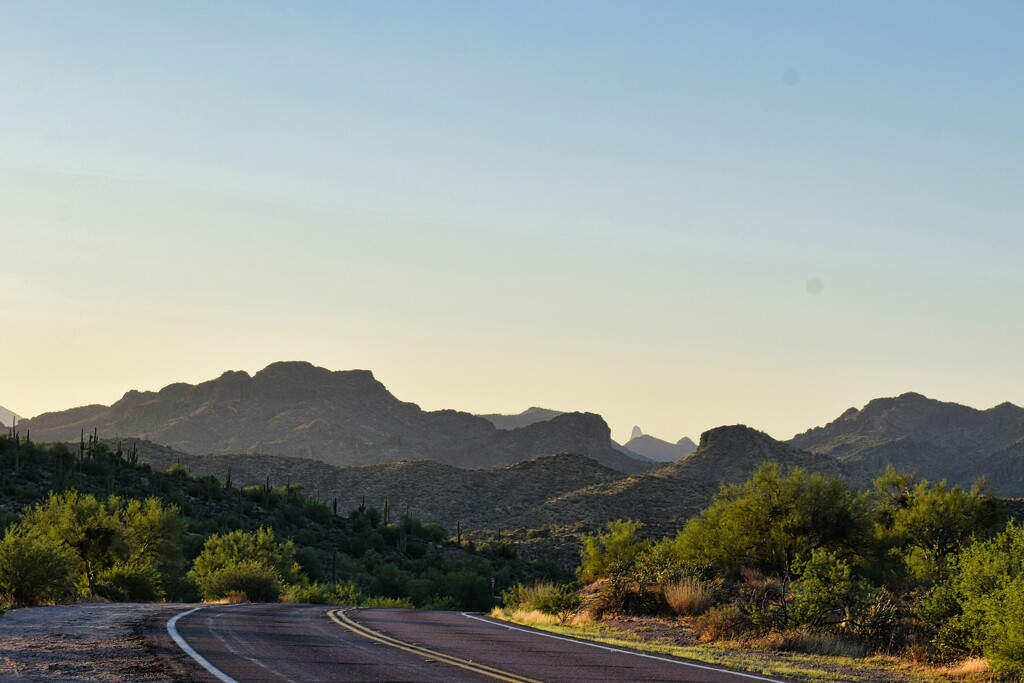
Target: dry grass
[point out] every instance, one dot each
(689, 596)
(819, 644)
(970, 668)
(537, 619)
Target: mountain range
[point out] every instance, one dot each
(295, 409)
(934, 439)
(343, 435)
(561, 489)
(658, 450)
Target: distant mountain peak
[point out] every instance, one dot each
(658, 450)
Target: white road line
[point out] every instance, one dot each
(172, 630)
(620, 651)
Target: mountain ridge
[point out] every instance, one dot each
(296, 409)
(936, 439)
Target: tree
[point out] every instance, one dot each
(33, 569)
(924, 524)
(613, 555)
(118, 543)
(772, 521)
(988, 580)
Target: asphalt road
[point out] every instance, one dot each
(305, 643)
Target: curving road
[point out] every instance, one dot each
(306, 643)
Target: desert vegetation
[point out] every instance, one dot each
(94, 522)
(799, 561)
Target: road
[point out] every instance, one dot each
(307, 643)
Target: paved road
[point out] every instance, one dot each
(304, 643)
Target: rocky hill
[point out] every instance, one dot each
(7, 417)
(680, 490)
(501, 497)
(562, 489)
(295, 409)
(524, 419)
(658, 450)
(933, 439)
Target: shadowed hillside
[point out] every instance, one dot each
(559, 489)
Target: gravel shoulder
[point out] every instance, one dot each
(116, 642)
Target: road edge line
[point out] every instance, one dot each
(609, 648)
(172, 631)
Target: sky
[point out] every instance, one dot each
(675, 214)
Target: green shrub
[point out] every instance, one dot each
(524, 597)
(35, 570)
(130, 582)
(393, 603)
(347, 594)
(312, 594)
(251, 578)
(989, 581)
(563, 602)
(254, 563)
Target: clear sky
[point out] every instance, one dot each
(676, 214)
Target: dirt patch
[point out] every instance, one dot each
(112, 642)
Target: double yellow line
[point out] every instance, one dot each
(343, 620)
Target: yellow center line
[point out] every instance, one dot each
(341, 619)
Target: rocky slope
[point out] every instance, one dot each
(933, 439)
(559, 489)
(295, 409)
(491, 498)
(524, 419)
(680, 490)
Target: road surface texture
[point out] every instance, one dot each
(306, 643)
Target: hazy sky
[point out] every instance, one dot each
(678, 215)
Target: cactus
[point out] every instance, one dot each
(227, 481)
(458, 533)
(387, 512)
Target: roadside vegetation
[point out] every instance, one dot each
(95, 523)
(910, 572)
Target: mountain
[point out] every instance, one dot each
(555, 489)
(524, 419)
(499, 497)
(660, 451)
(295, 409)
(933, 439)
(681, 489)
(7, 417)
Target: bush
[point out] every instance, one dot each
(816, 643)
(253, 579)
(312, 594)
(34, 570)
(989, 581)
(131, 582)
(689, 596)
(392, 603)
(524, 597)
(724, 622)
(254, 563)
(563, 602)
